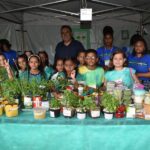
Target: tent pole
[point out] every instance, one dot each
(22, 33)
(33, 6)
(119, 5)
(141, 24)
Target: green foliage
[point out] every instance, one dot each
(109, 102)
(25, 87)
(54, 103)
(11, 89)
(81, 107)
(39, 88)
(89, 103)
(61, 83)
(3, 73)
(70, 99)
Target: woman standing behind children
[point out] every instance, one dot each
(105, 52)
(118, 72)
(5, 68)
(93, 75)
(140, 61)
(22, 66)
(45, 64)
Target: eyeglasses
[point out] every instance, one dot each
(93, 58)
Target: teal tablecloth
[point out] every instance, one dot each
(25, 133)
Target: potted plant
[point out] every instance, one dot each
(110, 104)
(44, 93)
(123, 103)
(81, 109)
(11, 91)
(92, 106)
(26, 94)
(35, 92)
(55, 107)
(69, 102)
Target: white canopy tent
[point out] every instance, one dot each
(35, 24)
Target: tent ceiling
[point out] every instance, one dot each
(12, 10)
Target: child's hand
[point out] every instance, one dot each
(73, 74)
(6, 65)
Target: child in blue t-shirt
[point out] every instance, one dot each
(140, 61)
(118, 72)
(105, 52)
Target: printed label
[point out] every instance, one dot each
(67, 112)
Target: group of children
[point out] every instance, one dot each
(86, 67)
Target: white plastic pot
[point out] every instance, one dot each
(138, 99)
(95, 113)
(27, 102)
(45, 104)
(68, 112)
(108, 116)
(81, 115)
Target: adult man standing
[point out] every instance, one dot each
(68, 47)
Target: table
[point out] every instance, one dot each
(24, 132)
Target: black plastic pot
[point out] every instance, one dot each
(54, 113)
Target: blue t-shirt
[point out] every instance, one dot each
(124, 76)
(70, 51)
(140, 64)
(128, 50)
(105, 54)
(10, 55)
